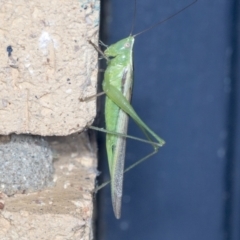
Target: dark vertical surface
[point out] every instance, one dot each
(187, 90)
(232, 214)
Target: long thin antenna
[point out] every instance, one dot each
(158, 23)
(134, 16)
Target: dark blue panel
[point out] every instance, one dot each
(182, 87)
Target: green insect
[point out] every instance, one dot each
(117, 85)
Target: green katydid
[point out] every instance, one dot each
(117, 85)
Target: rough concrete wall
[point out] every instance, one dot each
(47, 65)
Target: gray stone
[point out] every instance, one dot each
(25, 164)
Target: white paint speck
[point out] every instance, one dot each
(44, 40)
(77, 203)
(55, 178)
(69, 90)
(66, 185)
(71, 167)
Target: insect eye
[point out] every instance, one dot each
(127, 45)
